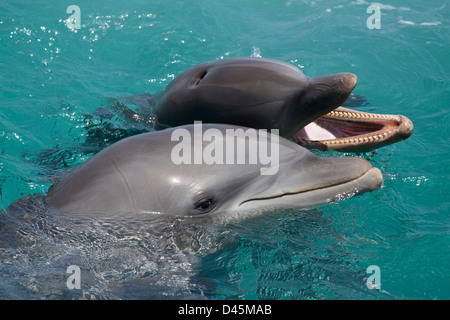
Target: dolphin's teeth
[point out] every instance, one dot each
(364, 139)
(361, 115)
(374, 137)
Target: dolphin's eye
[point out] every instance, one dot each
(204, 205)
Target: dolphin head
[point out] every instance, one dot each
(143, 174)
(317, 96)
(251, 92)
(263, 93)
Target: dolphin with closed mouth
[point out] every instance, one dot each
(138, 175)
(270, 94)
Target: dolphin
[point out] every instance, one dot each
(265, 93)
(140, 174)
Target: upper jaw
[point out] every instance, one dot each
(355, 131)
(325, 93)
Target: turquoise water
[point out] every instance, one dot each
(52, 77)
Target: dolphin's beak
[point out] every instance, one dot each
(318, 181)
(331, 91)
(339, 84)
(326, 94)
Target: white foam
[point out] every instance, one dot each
(406, 22)
(431, 23)
(256, 52)
(411, 23)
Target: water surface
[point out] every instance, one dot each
(54, 80)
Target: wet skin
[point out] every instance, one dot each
(263, 93)
(138, 174)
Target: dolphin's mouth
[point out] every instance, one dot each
(332, 188)
(345, 129)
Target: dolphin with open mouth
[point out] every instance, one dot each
(264, 93)
(140, 174)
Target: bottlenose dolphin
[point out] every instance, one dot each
(264, 93)
(255, 92)
(139, 174)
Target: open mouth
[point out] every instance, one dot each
(345, 129)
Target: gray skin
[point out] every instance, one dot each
(251, 92)
(263, 93)
(136, 175)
